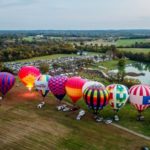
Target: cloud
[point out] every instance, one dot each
(11, 3)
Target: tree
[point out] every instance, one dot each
(44, 68)
(121, 70)
(103, 57)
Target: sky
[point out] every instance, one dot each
(74, 14)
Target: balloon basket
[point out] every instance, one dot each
(116, 118)
(140, 117)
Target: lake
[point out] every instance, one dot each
(139, 68)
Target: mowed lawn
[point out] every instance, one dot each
(24, 127)
(129, 42)
(135, 50)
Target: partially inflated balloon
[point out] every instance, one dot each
(28, 75)
(57, 86)
(7, 81)
(140, 97)
(41, 84)
(90, 83)
(74, 88)
(118, 95)
(96, 97)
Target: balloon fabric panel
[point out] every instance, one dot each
(7, 81)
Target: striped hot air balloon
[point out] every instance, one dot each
(140, 97)
(96, 97)
(90, 83)
(57, 86)
(28, 75)
(41, 84)
(74, 88)
(7, 81)
(118, 95)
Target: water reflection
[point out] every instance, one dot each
(140, 68)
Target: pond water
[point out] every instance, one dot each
(140, 68)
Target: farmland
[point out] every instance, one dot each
(129, 42)
(135, 50)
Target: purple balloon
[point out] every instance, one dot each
(7, 81)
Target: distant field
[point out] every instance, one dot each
(46, 57)
(129, 42)
(54, 56)
(136, 50)
(29, 38)
(99, 42)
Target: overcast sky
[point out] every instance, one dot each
(74, 14)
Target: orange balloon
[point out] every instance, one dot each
(74, 88)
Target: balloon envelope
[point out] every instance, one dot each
(118, 95)
(74, 88)
(90, 83)
(28, 75)
(96, 97)
(140, 96)
(57, 86)
(7, 81)
(41, 84)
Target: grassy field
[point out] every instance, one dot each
(135, 50)
(24, 127)
(28, 39)
(112, 64)
(54, 56)
(129, 42)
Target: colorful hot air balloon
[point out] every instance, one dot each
(28, 75)
(7, 81)
(140, 97)
(96, 97)
(74, 88)
(90, 83)
(118, 96)
(41, 84)
(57, 86)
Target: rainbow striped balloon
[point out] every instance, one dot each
(41, 84)
(140, 96)
(7, 81)
(96, 97)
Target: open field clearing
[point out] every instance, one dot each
(135, 50)
(129, 42)
(24, 127)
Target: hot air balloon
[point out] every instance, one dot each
(41, 84)
(28, 75)
(7, 81)
(90, 83)
(57, 86)
(96, 97)
(74, 88)
(140, 98)
(118, 96)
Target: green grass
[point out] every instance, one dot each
(24, 127)
(135, 50)
(28, 39)
(112, 64)
(54, 56)
(129, 42)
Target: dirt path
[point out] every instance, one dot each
(131, 131)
